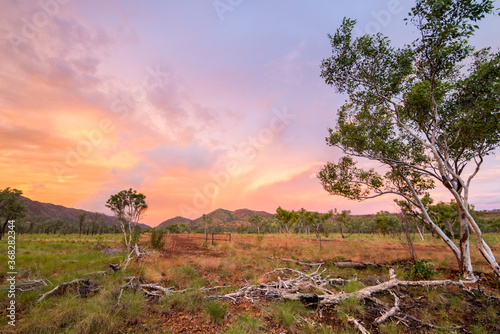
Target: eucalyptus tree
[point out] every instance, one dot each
(428, 112)
(256, 221)
(286, 218)
(342, 219)
(128, 206)
(81, 222)
(11, 207)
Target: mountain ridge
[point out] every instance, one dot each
(42, 210)
(219, 216)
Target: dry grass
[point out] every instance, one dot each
(242, 261)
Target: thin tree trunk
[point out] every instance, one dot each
(481, 244)
(466, 264)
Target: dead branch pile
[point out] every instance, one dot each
(286, 283)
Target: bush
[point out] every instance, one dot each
(136, 233)
(422, 270)
(157, 241)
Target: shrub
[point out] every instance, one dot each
(157, 241)
(136, 233)
(422, 270)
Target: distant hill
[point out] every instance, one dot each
(42, 211)
(176, 221)
(219, 216)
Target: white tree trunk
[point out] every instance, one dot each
(466, 267)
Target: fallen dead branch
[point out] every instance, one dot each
(28, 284)
(386, 286)
(85, 286)
(393, 311)
(358, 325)
(345, 264)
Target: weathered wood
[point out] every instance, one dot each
(358, 325)
(88, 283)
(393, 311)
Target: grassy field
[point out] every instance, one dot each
(189, 264)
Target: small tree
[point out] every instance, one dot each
(286, 218)
(387, 224)
(256, 221)
(208, 222)
(81, 222)
(343, 219)
(128, 206)
(11, 207)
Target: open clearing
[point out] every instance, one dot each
(189, 265)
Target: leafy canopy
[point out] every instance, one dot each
(415, 109)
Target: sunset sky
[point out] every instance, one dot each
(197, 104)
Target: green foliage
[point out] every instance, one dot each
(286, 218)
(387, 224)
(136, 233)
(422, 270)
(128, 206)
(81, 221)
(445, 215)
(11, 207)
(157, 241)
(256, 221)
(414, 109)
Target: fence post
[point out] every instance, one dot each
(229, 236)
(212, 238)
(206, 238)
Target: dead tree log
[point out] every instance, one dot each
(85, 286)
